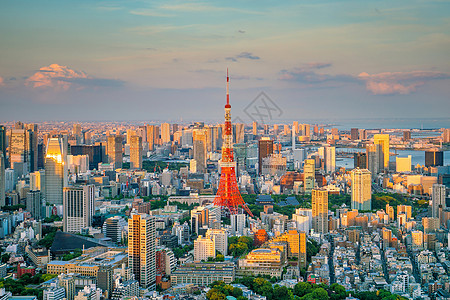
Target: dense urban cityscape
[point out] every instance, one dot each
(224, 150)
(194, 211)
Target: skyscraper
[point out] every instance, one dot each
(238, 133)
(151, 137)
(320, 210)
(438, 200)
(3, 144)
(54, 172)
(76, 132)
(78, 207)
(2, 180)
(141, 249)
(199, 139)
(383, 140)
(114, 148)
(434, 158)
(354, 134)
(34, 204)
(309, 175)
(361, 189)
(305, 130)
(136, 152)
(165, 133)
(375, 158)
(237, 224)
(330, 159)
(130, 133)
(265, 148)
(360, 160)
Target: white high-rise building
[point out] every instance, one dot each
(78, 208)
(203, 248)
(54, 292)
(220, 238)
(361, 189)
(299, 156)
(438, 200)
(330, 159)
(237, 224)
(142, 249)
(303, 219)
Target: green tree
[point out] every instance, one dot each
(220, 257)
(282, 292)
(302, 288)
(320, 293)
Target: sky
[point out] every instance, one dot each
(167, 60)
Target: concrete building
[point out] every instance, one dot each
(361, 189)
(204, 247)
(114, 150)
(309, 174)
(237, 224)
(78, 208)
(220, 238)
(403, 164)
(320, 210)
(55, 171)
(262, 261)
(34, 205)
(113, 228)
(142, 249)
(438, 194)
(200, 149)
(136, 152)
(383, 140)
(203, 274)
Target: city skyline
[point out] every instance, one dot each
(315, 59)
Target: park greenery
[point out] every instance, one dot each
(76, 253)
(238, 246)
(219, 291)
(20, 287)
(181, 251)
(48, 233)
(52, 219)
(150, 166)
(306, 291)
(13, 207)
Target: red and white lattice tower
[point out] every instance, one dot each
(228, 195)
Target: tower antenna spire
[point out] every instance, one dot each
(228, 89)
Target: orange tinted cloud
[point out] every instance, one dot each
(54, 76)
(2, 82)
(403, 83)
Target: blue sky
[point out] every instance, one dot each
(166, 60)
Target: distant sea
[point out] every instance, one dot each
(417, 157)
(390, 123)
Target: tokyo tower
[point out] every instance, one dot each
(228, 195)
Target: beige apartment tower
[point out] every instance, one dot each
(136, 152)
(320, 210)
(142, 249)
(361, 189)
